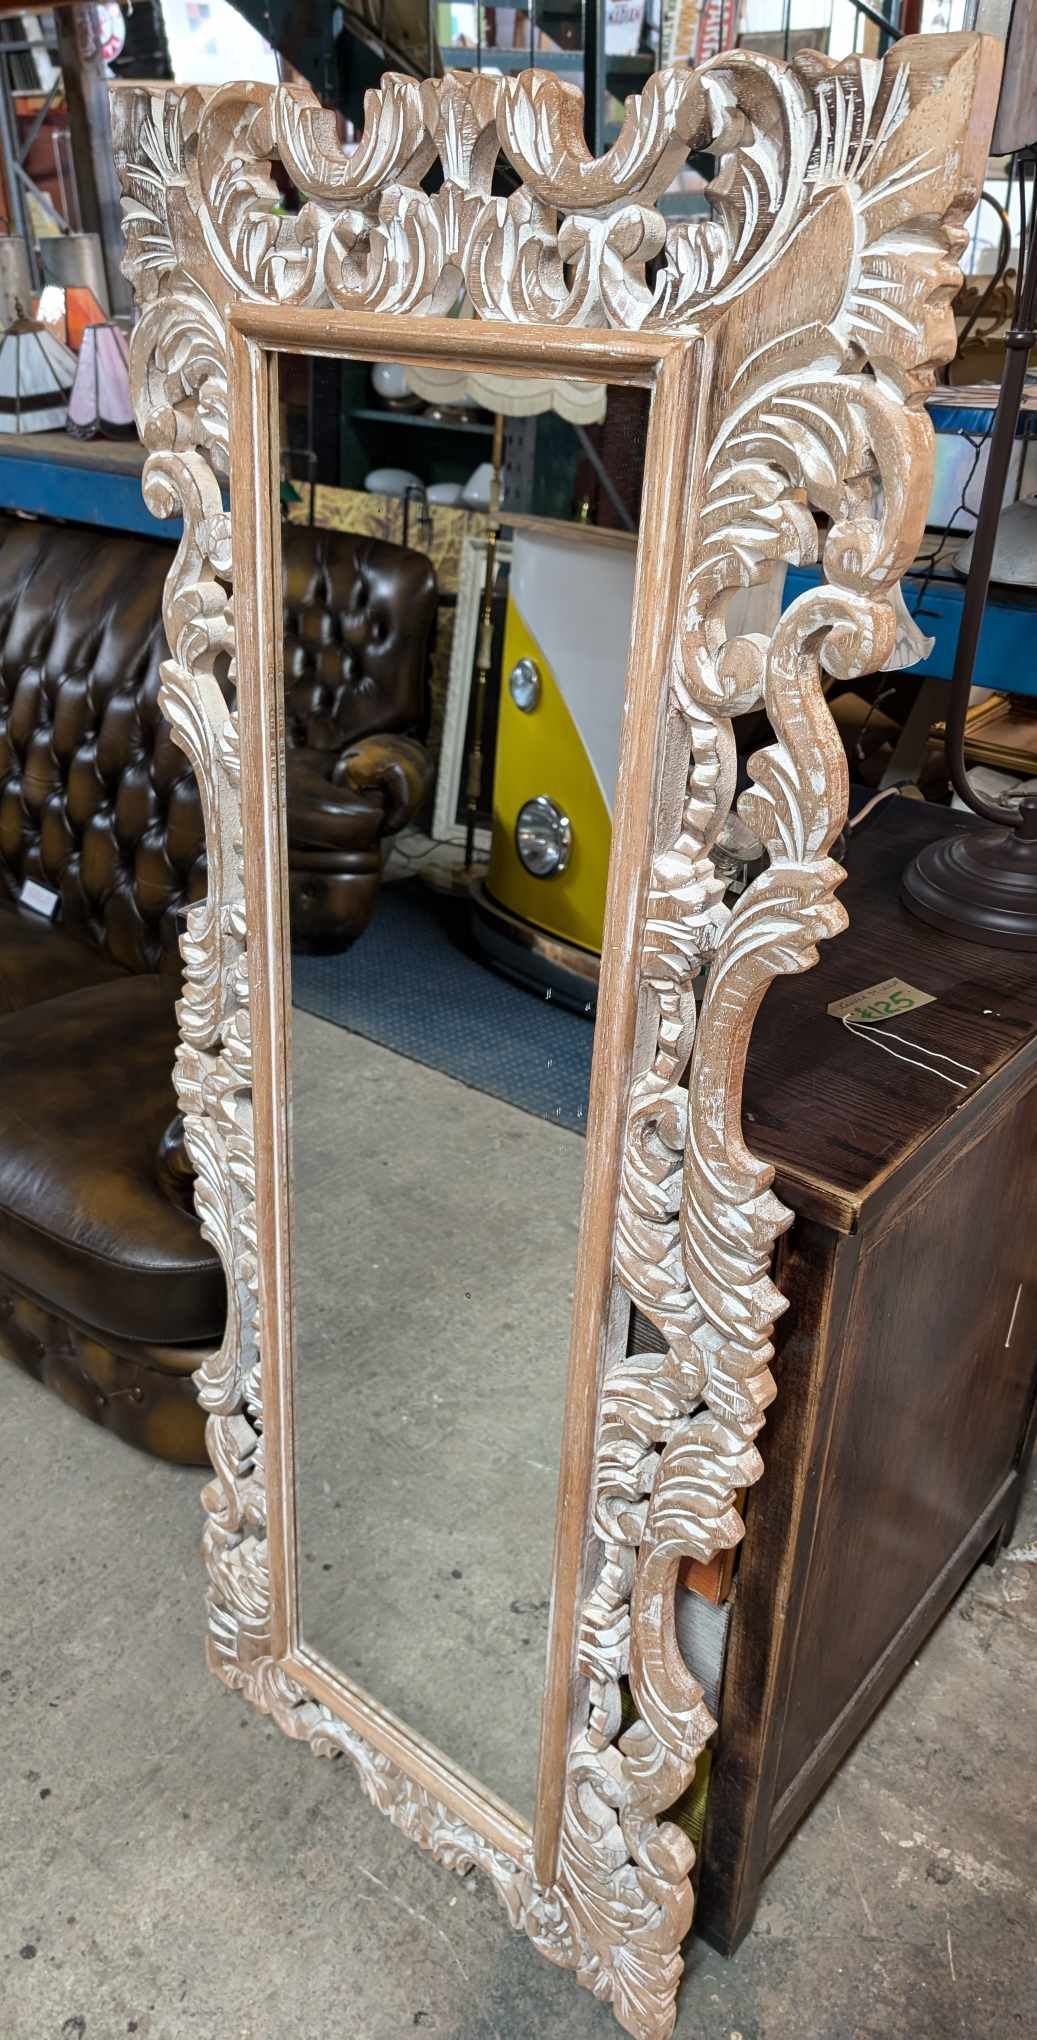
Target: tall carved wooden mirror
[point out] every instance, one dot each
(786, 340)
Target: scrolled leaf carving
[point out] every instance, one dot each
(818, 290)
(540, 123)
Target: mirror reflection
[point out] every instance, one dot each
(458, 556)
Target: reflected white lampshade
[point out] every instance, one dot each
(511, 396)
(100, 406)
(36, 377)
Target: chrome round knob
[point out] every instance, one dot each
(524, 685)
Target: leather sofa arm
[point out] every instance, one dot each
(399, 768)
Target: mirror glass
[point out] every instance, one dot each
(458, 581)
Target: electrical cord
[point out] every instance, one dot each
(1019, 167)
(1004, 251)
(417, 857)
(882, 694)
(951, 529)
(886, 793)
(948, 529)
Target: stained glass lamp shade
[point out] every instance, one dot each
(100, 406)
(36, 377)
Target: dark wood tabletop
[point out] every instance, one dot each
(835, 1113)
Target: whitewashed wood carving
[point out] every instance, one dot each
(820, 290)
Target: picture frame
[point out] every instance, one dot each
(812, 305)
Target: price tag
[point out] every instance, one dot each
(39, 899)
(892, 998)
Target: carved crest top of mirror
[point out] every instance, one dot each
(787, 340)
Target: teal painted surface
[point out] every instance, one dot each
(1006, 656)
(83, 495)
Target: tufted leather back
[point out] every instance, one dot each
(358, 619)
(96, 800)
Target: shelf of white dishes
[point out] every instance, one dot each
(419, 418)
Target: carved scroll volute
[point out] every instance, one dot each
(540, 124)
(821, 290)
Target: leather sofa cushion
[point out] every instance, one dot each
(85, 1098)
(38, 961)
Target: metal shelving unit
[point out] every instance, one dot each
(30, 67)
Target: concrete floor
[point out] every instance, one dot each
(434, 1252)
(172, 1867)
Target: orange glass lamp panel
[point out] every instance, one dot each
(81, 310)
(67, 311)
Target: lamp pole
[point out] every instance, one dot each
(982, 884)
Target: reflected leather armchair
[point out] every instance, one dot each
(359, 615)
(108, 1291)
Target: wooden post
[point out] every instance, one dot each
(86, 99)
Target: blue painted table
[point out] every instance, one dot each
(1006, 656)
(88, 481)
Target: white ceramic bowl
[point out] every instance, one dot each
(390, 481)
(476, 492)
(390, 381)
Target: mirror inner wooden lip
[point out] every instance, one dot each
(587, 354)
(257, 334)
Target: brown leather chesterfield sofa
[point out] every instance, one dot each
(358, 620)
(108, 1292)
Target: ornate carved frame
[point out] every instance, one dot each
(817, 296)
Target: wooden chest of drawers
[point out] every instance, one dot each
(905, 1367)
